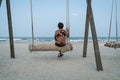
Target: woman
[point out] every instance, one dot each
(60, 37)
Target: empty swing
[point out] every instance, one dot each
(113, 44)
(50, 46)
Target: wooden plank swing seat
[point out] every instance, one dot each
(50, 47)
(112, 45)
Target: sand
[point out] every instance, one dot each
(46, 65)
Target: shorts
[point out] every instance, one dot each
(59, 45)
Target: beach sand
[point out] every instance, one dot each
(46, 65)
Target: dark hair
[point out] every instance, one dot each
(60, 25)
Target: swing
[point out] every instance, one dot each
(50, 46)
(113, 44)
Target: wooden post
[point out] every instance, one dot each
(94, 37)
(10, 29)
(90, 19)
(86, 34)
(0, 2)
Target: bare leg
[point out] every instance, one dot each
(60, 54)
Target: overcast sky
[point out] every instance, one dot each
(47, 14)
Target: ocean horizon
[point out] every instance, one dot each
(51, 39)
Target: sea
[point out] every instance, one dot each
(51, 39)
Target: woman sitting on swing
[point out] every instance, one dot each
(60, 37)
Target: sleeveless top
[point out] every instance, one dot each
(60, 37)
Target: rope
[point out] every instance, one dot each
(110, 21)
(68, 22)
(68, 19)
(116, 23)
(113, 2)
(32, 22)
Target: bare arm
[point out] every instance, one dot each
(67, 32)
(55, 36)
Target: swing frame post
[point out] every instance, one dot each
(10, 29)
(0, 2)
(86, 33)
(90, 20)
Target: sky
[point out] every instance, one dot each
(48, 13)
